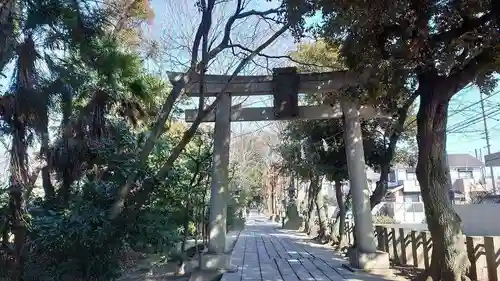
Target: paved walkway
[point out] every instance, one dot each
(264, 252)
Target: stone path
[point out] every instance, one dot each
(264, 252)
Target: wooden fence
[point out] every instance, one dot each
(410, 247)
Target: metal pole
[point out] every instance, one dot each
(483, 169)
(488, 146)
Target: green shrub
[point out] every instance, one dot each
(154, 231)
(79, 241)
(384, 220)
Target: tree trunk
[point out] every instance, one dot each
(46, 182)
(397, 129)
(309, 208)
(338, 227)
(183, 255)
(449, 256)
(48, 188)
(313, 187)
(186, 225)
(381, 186)
(18, 181)
(320, 208)
(273, 201)
(64, 192)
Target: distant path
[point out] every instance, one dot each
(264, 252)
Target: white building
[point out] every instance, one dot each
(404, 201)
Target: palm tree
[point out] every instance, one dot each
(64, 65)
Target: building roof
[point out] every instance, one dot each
(464, 160)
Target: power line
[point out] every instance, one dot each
(475, 103)
(468, 122)
(472, 121)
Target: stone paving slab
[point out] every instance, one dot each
(264, 252)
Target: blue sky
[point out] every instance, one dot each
(466, 129)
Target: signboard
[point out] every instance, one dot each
(492, 160)
(286, 83)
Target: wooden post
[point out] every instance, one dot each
(471, 253)
(425, 243)
(386, 240)
(379, 230)
(402, 238)
(489, 248)
(414, 247)
(394, 244)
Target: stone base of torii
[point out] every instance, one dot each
(285, 85)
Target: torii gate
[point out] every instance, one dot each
(284, 85)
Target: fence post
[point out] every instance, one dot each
(394, 244)
(489, 247)
(386, 240)
(425, 244)
(402, 238)
(380, 237)
(414, 247)
(471, 253)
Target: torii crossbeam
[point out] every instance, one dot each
(284, 85)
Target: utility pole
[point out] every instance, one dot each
(488, 146)
(451, 193)
(483, 169)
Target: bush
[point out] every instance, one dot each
(79, 241)
(154, 231)
(384, 220)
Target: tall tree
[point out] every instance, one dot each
(25, 107)
(64, 64)
(440, 47)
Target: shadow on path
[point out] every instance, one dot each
(264, 252)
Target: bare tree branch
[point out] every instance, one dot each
(143, 195)
(181, 84)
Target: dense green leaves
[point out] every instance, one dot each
(319, 146)
(71, 69)
(408, 38)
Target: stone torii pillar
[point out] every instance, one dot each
(217, 257)
(365, 255)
